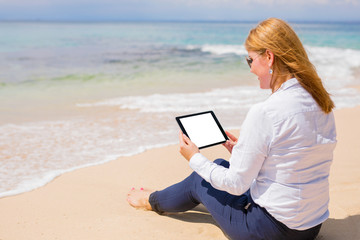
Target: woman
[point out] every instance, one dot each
(275, 185)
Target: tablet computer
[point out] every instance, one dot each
(202, 128)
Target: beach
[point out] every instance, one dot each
(90, 203)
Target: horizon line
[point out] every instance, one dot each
(166, 21)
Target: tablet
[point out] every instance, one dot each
(203, 129)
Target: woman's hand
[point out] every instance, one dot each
(187, 147)
(230, 143)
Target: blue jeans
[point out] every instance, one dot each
(238, 216)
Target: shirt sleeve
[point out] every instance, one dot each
(247, 156)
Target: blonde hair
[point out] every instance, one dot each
(290, 57)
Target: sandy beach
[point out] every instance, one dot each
(90, 203)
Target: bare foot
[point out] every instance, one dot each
(139, 199)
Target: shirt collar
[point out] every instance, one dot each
(287, 84)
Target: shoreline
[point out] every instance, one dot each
(51, 176)
(90, 203)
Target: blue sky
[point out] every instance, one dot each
(180, 10)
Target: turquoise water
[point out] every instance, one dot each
(337, 35)
(80, 94)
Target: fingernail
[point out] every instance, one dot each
(141, 188)
(133, 188)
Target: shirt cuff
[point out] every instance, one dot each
(197, 162)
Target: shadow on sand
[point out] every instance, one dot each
(197, 215)
(340, 229)
(332, 229)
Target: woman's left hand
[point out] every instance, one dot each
(187, 147)
(231, 142)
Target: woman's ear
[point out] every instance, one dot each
(269, 57)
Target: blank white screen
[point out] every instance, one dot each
(202, 129)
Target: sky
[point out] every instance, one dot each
(180, 10)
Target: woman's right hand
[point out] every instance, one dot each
(229, 144)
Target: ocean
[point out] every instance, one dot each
(74, 95)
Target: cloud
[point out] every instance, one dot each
(262, 2)
(163, 4)
(178, 2)
(179, 9)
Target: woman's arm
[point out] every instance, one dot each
(247, 156)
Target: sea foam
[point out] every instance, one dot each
(225, 99)
(336, 66)
(220, 49)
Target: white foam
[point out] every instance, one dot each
(220, 49)
(225, 99)
(335, 66)
(33, 158)
(345, 97)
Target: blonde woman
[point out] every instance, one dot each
(275, 185)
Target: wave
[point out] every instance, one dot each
(345, 97)
(36, 153)
(219, 49)
(229, 98)
(221, 99)
(338, 67)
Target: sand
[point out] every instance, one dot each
(90, 203)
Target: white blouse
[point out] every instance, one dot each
(283, 155)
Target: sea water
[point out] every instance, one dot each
(79, 94)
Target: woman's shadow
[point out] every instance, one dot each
(341, 229)
(332, 229)
(198, 214)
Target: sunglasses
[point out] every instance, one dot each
(249, 60)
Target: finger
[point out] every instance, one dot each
(186, 139)
(232, 137)
(227, 146)
(230, 144)
(181, 139)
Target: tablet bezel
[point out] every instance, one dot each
(200, 113)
